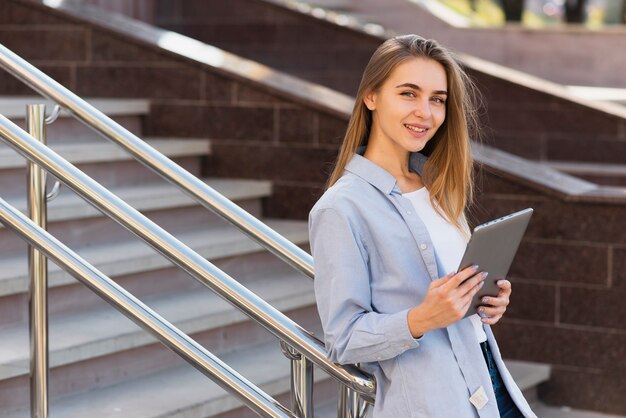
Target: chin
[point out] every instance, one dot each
(416, 147)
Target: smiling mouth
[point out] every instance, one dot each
(415, 128)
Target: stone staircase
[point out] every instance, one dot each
(95, 352)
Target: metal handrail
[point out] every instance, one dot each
(142, 315)
(152, 159)
(185, 258)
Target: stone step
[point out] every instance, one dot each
(14, 107)
(528, 376)
(181, 391)
(99, 346)
(600, 173)
(150, 197)
(95, 160)
(85, 335)
(127, 112)
(174, 212)
(65, 215)
(82, 153)
(132, 257)
(547, 411)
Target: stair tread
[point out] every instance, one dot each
(92, 152)
(79, 336)
(547, 411)
(528, 374)
(181, 391)
(146, 197)
(15, 106)
(135, 256)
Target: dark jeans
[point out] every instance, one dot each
(506, 406)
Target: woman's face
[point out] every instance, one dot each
(410, 106)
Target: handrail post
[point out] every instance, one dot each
(348, 406)
(302, 387)
(301, 382)
(38, 272)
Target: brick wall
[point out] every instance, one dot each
(570, 278)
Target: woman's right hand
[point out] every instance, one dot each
(446, 302)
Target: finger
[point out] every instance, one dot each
(491, 311)
(470, 285)
(505, 286)
(466, 300)
(461, 276)
(491, 321)
(491, 301)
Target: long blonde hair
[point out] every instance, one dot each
(448, 173)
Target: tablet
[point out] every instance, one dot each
(492, 247)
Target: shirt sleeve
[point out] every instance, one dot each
(353, 331)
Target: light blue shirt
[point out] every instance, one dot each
(374, 260)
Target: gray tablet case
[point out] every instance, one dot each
(492, 247)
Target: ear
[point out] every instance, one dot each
(370, 100)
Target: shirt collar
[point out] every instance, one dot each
(378, 176)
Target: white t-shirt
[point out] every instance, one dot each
(448, 242)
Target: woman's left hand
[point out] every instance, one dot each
(494, 308)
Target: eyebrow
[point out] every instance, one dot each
(416, 87)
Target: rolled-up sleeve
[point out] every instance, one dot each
(353, 331)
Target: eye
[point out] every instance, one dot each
(408, 93)
(439, 100)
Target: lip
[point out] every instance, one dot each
(418, 125)
(417, 134)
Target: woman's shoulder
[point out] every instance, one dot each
(344, 196)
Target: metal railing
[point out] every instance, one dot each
(160, 164)
(142, 315)
(304, 347)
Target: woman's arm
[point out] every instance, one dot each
(353, 332)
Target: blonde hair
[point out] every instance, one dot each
(448, 173)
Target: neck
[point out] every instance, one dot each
(394, 160)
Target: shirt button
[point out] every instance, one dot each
(408, 212)
(423, 246)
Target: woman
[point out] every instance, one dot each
(388, 234)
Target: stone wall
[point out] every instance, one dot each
(568, 54)
(567, 307)
(308, 48)
(525, 121)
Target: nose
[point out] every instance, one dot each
(422, 108)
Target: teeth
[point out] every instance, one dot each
(415, 128)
